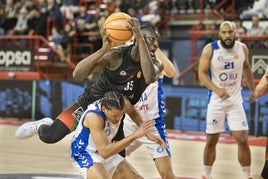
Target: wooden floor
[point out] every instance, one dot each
(33, 156)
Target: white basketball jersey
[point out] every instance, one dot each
(226, 70)
(82, 138)
(151, 104)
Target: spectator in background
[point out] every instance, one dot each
(258, 9)
(67, 39)
(38, 22)
(84, 15)
(55, 39)
(11, 13)
(21, 27)
(240, 30)
(69, 8)
(265, 32)
(150, 13)
(134, 13)
(55, 13)
(81, 38)
(255, 30)
(2, 30)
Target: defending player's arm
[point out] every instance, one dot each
(247, 73)
(262, 87)
(95, 123)
(136, 117)
(169, 69)
(204, 65)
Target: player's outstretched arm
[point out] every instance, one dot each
(95, 123)
(93, 63)
(169, 69)
(136, 117)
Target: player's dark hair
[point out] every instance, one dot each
(149, 28)
(113, 100)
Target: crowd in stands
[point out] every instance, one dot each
(76, 19)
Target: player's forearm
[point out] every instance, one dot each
(169, 69)
(207, 81)
(249, 79)
(147, 65)
(85, 67)
(116, 147)
(135, 116)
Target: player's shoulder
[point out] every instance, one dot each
(208, 48)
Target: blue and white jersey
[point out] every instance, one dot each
(83, 148)
(226, 70)
(151, 104)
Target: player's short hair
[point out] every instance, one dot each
(149, 28)
(113, 100)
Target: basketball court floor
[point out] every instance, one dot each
(32, 159)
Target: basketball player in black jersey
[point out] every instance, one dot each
(127, 69)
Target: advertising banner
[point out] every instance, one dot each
(17, 59)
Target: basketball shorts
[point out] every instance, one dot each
(71, 116)
(86, 160)
(154, 149)
(217, 113)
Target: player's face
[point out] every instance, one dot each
(152, 41)
(227, 36)
(113, 115)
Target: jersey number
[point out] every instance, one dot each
(228, 65)
(129, 86)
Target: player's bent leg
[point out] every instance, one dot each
(164, 167)
(53, 133)
(29, 129)
(97, 171)
(125, 170)
(62, 126)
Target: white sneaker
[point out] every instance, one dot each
(29, 129)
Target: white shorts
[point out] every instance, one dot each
(110, 164)
(234, 113)
(154, 149)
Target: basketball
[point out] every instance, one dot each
(116, 27)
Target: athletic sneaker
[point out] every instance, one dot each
(29, 129)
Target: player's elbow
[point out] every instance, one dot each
(104, 154)
(150, 80)
(76, 75)
(201, 76)
(170, 74)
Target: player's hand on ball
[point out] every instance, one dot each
(135, 26)
(105, 38)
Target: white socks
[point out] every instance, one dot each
(207, 169)
(246, 171)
